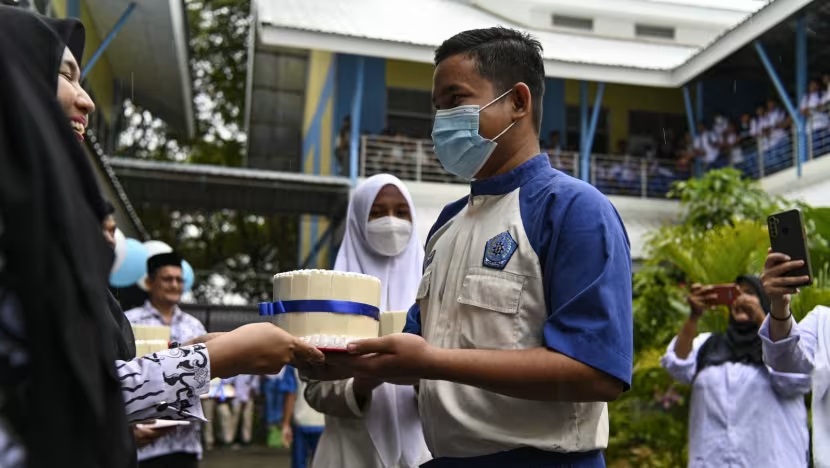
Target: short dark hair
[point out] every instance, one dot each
(504, 57)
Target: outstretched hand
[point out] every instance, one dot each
(259, 348)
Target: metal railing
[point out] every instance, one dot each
(414, 159)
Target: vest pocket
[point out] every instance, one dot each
(488, 309)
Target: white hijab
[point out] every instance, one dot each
(392, 417)
(399, 275)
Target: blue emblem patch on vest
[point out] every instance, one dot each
(498, 250)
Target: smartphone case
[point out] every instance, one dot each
(788, 236)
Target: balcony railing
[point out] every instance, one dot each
(415, 160)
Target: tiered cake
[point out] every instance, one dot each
(392, 322)
(328, 309)
(150, 339)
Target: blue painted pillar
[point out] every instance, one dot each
(73, 9)
(801, 84)
(354, 139)
(690, 117)
(583, 129)
(795, 115)
(107, 40)
(592, 129)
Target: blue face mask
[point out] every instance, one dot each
(459, 147)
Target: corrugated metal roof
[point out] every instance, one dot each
(430, 22)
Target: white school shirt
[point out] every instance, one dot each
(734, 406)
(818, 119)
(807, 350)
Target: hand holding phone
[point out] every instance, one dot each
(724, 294)
(787, 236)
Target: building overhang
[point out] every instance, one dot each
(204, 187)
(149, 57)
(301, 24)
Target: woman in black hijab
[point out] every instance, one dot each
(60, 392)
(733, 392)
(54, 259)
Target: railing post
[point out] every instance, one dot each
(363, 140)
(643, 178)
(419, 157)
(760, 152)
(809, 130)
(593, 169)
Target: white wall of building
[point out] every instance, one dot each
(812, 187)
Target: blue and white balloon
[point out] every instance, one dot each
(133, 265)
(188, 275)
(120, 250)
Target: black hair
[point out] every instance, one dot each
(504, 57)
(109, 209)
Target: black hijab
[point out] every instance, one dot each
(740, 342)
(56, 260)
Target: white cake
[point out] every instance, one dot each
(328, 309)
(150, 339)
(392, 322)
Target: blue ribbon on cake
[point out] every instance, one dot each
(309, 305)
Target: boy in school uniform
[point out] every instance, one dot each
(522, 327)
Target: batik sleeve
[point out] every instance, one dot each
(166, 385)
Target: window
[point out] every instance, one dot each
(574, 123)
(655, 32)
(573, 22)
(409, 112)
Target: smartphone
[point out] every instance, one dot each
(788, 236)
(726, 294)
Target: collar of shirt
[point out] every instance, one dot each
(177, 313)
(510, 181)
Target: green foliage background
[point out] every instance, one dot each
(720, 235)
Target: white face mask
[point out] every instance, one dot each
(388, 235)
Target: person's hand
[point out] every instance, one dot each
(287, 435)
(700, 299)
(399, 358)
(778, 287)
(259, 348)
(145, 436)
(203, 339)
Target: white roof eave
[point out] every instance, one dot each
(674, 75)
(275, 36)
